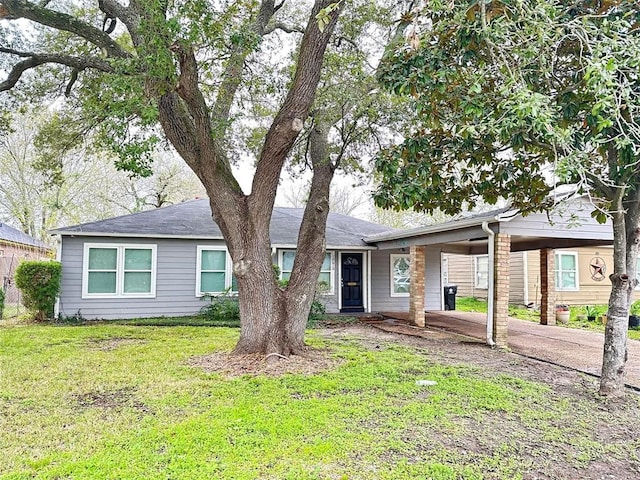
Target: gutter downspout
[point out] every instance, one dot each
(490, 292)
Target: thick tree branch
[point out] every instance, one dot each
(61, 21)
(33, 60)
(272, 27)
(189, 91)
(290, 119)
(232, 76)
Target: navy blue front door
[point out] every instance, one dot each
(351, 274)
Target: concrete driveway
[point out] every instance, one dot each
(577, 349)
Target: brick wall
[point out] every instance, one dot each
(417, 272)
(547, 287)
(502, 272)
(11, 254)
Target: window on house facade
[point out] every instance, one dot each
(400, 276)
(566, 270)
(112, 270)
(481, 268)
(326, 277)
(214, 271)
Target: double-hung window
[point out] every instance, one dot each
(400, 275)
(566, 270)
(214, 271)
(482, 271)
(117, 270)
(326, 270)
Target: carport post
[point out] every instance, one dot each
(502, 273)
(416, 288)
(547, 287)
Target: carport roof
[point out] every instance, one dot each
(569, 226)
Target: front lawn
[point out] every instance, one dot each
(123, 402)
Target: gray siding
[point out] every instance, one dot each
(433, 281)
(175, 281)
(574, 221)
(381, 299)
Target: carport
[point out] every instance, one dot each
(496, 234)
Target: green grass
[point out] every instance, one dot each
(110, 401)
(471, 304)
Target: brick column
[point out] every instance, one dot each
(416, 295)
(547, 287)
(501, 275)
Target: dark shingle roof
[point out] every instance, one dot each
(192, 219)
(12, 235)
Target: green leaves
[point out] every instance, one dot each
(39, 282)
(324, 16)
(536, 84)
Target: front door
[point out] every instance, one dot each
(351, 274)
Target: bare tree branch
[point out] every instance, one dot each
(283, 27)
(233, 72)
(33, 60)
(13, 9)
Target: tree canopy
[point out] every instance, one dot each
(514, 98)
(218, 80)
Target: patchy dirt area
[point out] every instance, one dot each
(123, 397)
(610, 451)
(312, 362)
(108, 344)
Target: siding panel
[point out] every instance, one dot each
(381, 299)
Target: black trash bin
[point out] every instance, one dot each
(450, 297)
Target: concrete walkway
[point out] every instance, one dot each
(577, 349)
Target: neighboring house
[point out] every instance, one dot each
(16, 246)
(581, 275)
(163, 261)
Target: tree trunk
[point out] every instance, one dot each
(623, 282)
(273, 320)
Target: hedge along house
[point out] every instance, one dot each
(496, 235)
(16, 246)
(165, 261)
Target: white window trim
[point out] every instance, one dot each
(557, 265)
(332, 272)
(120, 248)
(476, 283)
(392, 258)
(228, 265)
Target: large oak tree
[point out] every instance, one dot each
(218, 80)
(181, 65)
(510, 91)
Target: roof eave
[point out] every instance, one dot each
(442, 227)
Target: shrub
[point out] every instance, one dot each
(39, 282)
(223, 309)
(318, 309)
